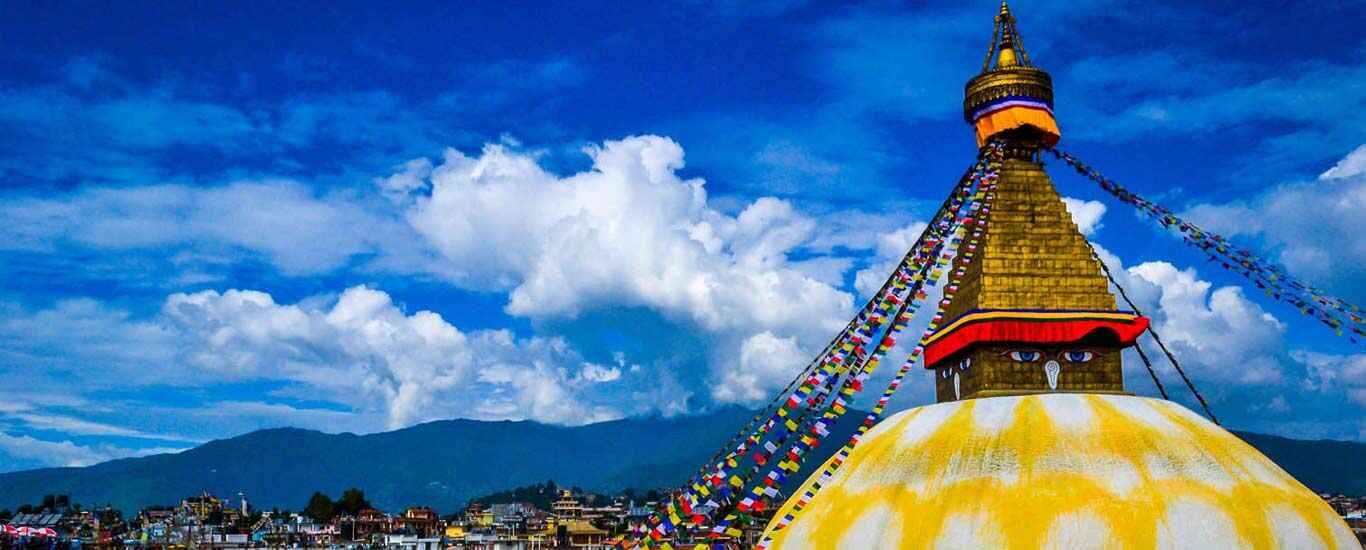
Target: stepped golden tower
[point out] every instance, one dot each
(1033, 441)
(1034, 313)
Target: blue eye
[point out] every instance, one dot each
(1024, 356)
(1078, 356)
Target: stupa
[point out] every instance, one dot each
(1034, 442)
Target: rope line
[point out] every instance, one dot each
(766, 411)
(978, 213)
(918, 260)
(1270, 277)
(834, 342)
(1151, 372)
(1182, 372)
(936, 232)
(1137, 347)
(1156, 338)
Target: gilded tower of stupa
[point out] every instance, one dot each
(1034, 313)
(1033, 441)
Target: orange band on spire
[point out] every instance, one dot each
(1016, 117)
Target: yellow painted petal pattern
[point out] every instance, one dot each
(1059, 471)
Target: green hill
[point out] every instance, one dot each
(444, 464)
(440, 464)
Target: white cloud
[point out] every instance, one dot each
(597, 373)
(1218, 335)
(66, 453)
(1329, 373)
(627, 231)
(359, 351)
(1086, 214)
(890, 249)
(1313, 227)
(79, 426)
(631, 232)
(1354, 164)
(1222, 333)
(283, 221)
(767, 363)
(398, 186)
(365, 352)
(49, 346)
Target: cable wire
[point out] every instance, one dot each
(1156, 338)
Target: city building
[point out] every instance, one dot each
(420, 521)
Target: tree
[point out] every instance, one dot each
(352, 501)
(320, 508)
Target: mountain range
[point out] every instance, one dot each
(443, 464)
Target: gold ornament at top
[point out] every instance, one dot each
(1012, 74)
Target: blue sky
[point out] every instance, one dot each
(223, 218)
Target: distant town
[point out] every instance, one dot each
(542, 516)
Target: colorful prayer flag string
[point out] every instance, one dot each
(977, 226)
(1271, 278)
(844, 358)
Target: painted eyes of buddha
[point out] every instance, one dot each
(1030, 356)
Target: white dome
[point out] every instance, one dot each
(1058, 471)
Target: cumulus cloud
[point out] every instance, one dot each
(285, 222)
(364, 351)
(767, 362)
(1228, 337)
(383, 367)
(1222, 337)
(1354, 164)
(629, 231)
(1086, 214)
(890, 249)
(1328, 373)
(1312, 227)
(26, 450)
(1218, 334)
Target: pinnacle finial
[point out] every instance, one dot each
(1008, 74)
(1005, 42)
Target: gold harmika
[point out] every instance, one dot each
(1031, 257)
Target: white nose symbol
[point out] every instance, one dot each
(1052, 368)
(956, 394)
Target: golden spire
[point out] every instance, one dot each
(1006, 43)
(1033, 311)
(1012, 78)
